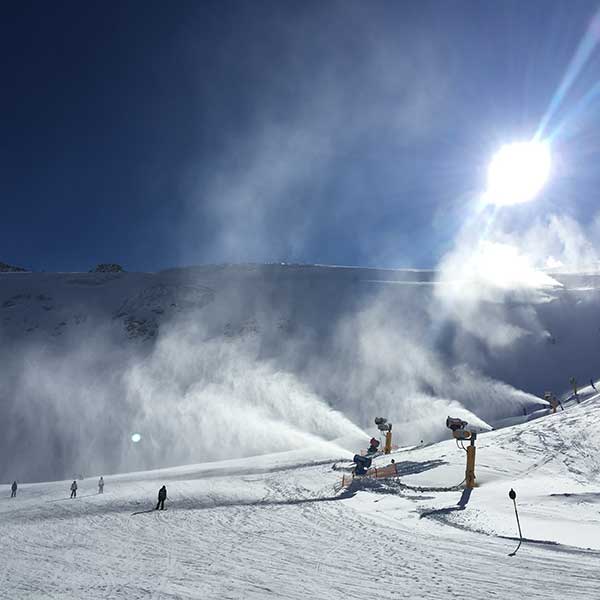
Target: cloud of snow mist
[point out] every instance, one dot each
(495, 279)
(489, 289)
(388, 365)
(561, 244)
(197, 398)
(201, 395)
(194, 397)
(273, 358)
(497, 298)
(288, 357)
(64, 410)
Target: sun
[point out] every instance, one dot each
(517, 173)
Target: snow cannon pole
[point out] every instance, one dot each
(388, 441)
(470, 472)
(573, 382)
(460, 433)
(513, 496)
(384, 426)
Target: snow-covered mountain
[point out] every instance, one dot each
(222, 361)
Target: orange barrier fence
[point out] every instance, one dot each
(376, 472)
(387, 471)
(347, 480)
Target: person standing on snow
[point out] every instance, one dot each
(101, 485)
(74, 489)
(162, 496)
(13, 489)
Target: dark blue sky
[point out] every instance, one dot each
(158, 134)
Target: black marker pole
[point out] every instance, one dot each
(513, 496)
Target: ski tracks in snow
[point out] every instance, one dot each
(270, 536)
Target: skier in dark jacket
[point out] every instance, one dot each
(162, 496)
(74, 489)
(13, 489)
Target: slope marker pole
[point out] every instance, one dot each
(513, 496)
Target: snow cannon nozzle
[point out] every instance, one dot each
(382, 424)
(454, 423)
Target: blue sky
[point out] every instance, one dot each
(159, 134)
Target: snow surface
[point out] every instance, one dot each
(278, 526)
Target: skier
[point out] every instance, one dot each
(13, 489)
(101, 485)
(74, 489)
(162, 496)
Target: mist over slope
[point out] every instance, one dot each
(227, 361)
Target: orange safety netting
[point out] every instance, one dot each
(375, 472)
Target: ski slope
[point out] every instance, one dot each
(277, 526)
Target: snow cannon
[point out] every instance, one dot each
(552, 400)
(373, 446)
(362, 464)
(461, 433)
(384, 426)
(455, 424)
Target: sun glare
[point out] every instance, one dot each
(517, 173)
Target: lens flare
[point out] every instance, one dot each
(136, 437)
(517, 173)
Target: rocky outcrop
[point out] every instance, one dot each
(143, 313)
(108, 268)
(5, 268)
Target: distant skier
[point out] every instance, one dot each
(74, 489)
(162, 496)
(13, 489)
(101, 485)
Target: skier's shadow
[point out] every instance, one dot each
(69, 498)
(464, 499)
(143, 512)
(461, 505)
